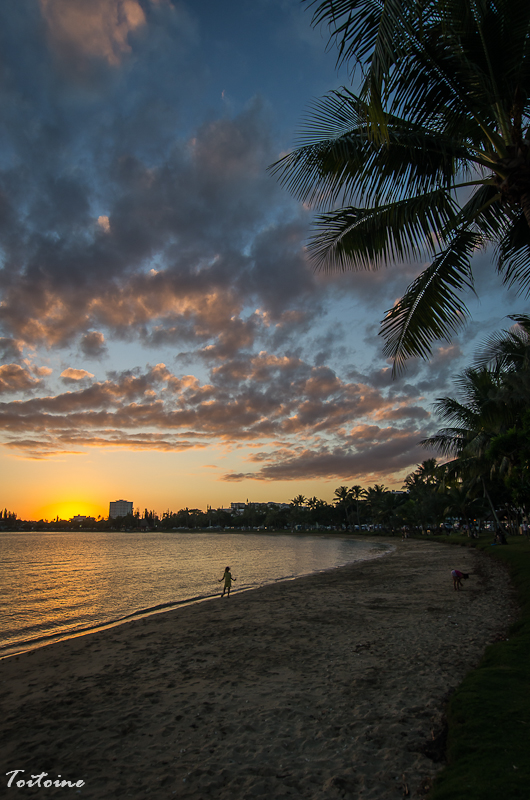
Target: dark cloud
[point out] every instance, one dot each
(281, 273)
(382, 461)
(10, 349)
(64, 443)
(93, 344)
(419, 378)
(198, 214)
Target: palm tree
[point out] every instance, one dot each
(318, 509)
(343, 500)
(430, 159)
(507, 353)
(460, 502)
(299, 501)
(424, 503)
(376, 502)
(475, 418)
(482, 414)
(297, 508)
(356, 493)
(428, 472)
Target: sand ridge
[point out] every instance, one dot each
(328, 686)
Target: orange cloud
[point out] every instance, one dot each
(92, 28)
(104, 223)
(75, 375)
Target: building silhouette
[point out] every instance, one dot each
(120, 508)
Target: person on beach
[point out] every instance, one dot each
(457, 579)
(227, 578)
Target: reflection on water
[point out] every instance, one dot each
(57, 584)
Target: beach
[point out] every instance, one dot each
(329, 686)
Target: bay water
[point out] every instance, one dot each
(56, 585)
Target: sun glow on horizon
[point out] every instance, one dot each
(66, 509)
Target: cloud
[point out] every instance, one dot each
(304, 421)
(10, 349)
(93, 344)
(71, 375)
(14, 378)
(86, 29)
(419, 378)
(221, 231)
(42, 371)
(381, 461)
(72, 444)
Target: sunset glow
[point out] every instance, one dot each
(67, 509)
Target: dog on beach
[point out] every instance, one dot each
(457, 578)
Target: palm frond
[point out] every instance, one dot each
(444, 103)
(495, 43)
(482, 211)
(431, 308)
(513, 254)
(365, 31)
(366, 238)
(436, 58)
(507, 350)
(338, 160)
(523, 320)
(451, 410)
(447, 442)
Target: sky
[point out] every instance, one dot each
(164, 337)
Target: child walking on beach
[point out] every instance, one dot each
(227, 578)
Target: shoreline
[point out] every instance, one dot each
(9, 651)
(323, 686)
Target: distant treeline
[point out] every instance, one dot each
(434, 498)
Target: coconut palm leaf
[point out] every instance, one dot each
(507, 351)
(514, 254)
(337, 158)
(481, 211)
(447, 442)
(431, 309)
(366, 238)
(367, 32)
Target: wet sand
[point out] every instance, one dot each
(328, 686)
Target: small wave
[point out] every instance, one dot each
(13, 646)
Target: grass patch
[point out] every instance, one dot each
(488, 746)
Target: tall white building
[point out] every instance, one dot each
(120, 508)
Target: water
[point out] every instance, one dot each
(58, 585)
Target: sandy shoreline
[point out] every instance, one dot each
(328, 686)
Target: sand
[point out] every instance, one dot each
(328, 686)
